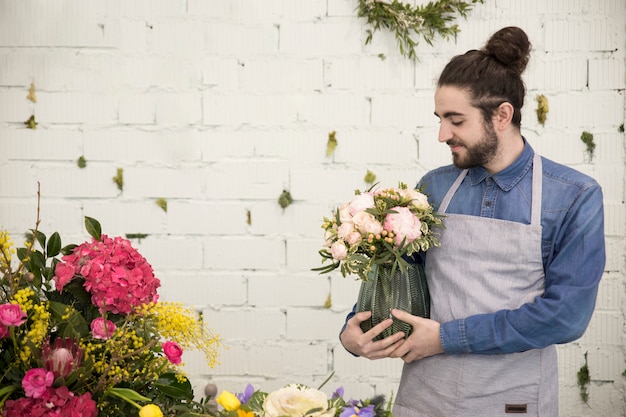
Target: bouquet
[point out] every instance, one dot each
(373, 236)
(83, 333)
(296, 400)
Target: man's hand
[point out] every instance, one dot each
(423, 341)
(362, 344)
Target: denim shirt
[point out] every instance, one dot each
(572, 220)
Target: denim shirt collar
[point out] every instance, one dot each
(511, 175)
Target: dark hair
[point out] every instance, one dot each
(493, 74)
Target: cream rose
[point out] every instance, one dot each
(360, 203)
(419, 200)
(297, 401)
(338, 250)
(367, 223)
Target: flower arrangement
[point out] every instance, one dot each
(296, 400)
(83, 333)
(378, 227)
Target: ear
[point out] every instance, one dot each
(503, 115)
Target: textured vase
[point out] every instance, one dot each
(382, 292)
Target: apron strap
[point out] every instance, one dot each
(535, 214)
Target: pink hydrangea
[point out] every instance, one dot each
(54, 402)
(118, 278)
(403, 224)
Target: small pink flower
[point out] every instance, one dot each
(173, 352)
(12, 315)
(338, 250)
(403, 224)
(36, 381)
(63, 274)
(4, 331)
(360, 203)
(102, 329)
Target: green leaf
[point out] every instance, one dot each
(41, 238)
(54, 245)
(73, 326)
(127, 394)
(67, 250)
(171, 386)
(93, 227)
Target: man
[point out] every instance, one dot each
(520, 261)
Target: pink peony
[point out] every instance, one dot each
(345, 229)
(360, 203)
(173, 352)
(102, 329)
(338, 250)
(36, 381)
(12, 315)
(354, 238)
(403, 224)
(366, 223)
(118, 278)
(63, 357)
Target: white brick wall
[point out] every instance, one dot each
(220, 105)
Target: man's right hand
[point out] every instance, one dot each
(362, 344)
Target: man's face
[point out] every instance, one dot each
(462, 127)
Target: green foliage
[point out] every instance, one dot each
(31, 123)
(587, 139)
(81, 162)
(161, 202)
(583, 380)
(370, 177)
(331, 145)
(284, 200)
(425, 21)
(119, 179)
(542, 109)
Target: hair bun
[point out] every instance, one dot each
(511, 47)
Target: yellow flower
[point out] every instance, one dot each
(228, 400)
(242, 413)
(150, 410)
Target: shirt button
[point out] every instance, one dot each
(488, 203)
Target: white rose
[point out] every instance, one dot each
(367, 223)
(338, 250)
(294, 401)
(419, 200)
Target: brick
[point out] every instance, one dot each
(256, 110)
(585, 110)
(238, 324)
(175, 38)
(180, 109)
(206, 218)
(614, 218)
(163, 183)
(137, 109)
(221, 38)
(200, 288)
(321, 38)
(123, 217)
(554, 74)
(583, 35)
(220, 72)
(165, 254)
(79, 108)
(260, 253)
(23, 144)
(293, 290)
(366, 73)
(403, 111)
(304, 324)
(15, 108)
(279, 75)
(247, 179)
(606, 74)
(346, 363)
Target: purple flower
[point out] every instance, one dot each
(338, 393)
(357, 412)
(243, 397)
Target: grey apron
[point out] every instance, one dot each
(483, 265)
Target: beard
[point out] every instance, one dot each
(478, 154)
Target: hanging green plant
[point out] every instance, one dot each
(161, 202)
(81, 161)
(331, 145)
(587, 139)
(31, 123)
(32, 96)
(542, 109)
(370, 177)
(119, 179)
(285, 199)
(583, 380)
(406, 21)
